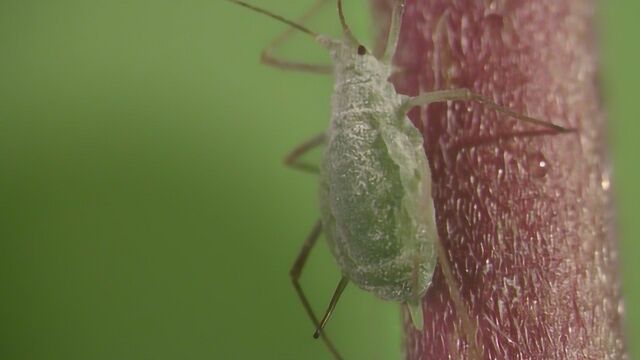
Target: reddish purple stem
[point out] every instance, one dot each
(524, 215)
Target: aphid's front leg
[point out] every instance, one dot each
(292, 159)
(268, 58)
(296, 271)
(467, 95)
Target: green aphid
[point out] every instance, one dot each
(375, 185)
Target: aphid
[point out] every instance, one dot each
(375, 185)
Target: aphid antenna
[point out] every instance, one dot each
(345, 27)
(277, 17)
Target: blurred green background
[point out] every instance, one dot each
(145, 211)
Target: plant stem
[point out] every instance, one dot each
(524, 214)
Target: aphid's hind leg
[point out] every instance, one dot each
(292, 159)
(468, 325)
(296, 271)
(268, 58)
(344, 281)
(467, 95)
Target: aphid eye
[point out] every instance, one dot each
(362, 50)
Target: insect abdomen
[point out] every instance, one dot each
(375, 211)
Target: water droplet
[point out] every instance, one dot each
(538, 165)
(605, 180)
(454, 71)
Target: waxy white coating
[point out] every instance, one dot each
(375, 185)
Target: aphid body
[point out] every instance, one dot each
(376, 206)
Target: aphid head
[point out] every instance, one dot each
(351, 57)
(349, 54)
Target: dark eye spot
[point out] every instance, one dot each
(362, 50)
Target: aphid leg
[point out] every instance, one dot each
(394, 31)
(469, 327)
(468, 95)
(292, 159)
(296, 271)
(332, 305)
(268, 58)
